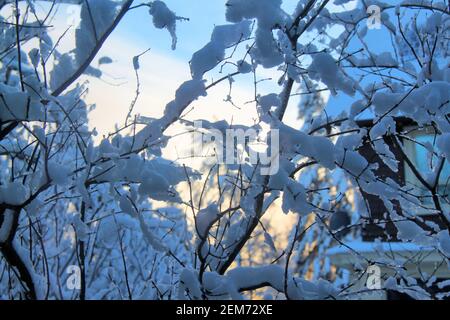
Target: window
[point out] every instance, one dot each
(421, 150)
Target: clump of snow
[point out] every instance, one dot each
(189, 283)
(355, 164)
(64, 66)
(96, 17)
(293, 142)
(17, 105)
(433, 22)
(153, 184)
(185, 94)
(265, 103)
(214, 52)
(325, 69)
(418, 103)
(268, 14)
(163, 17)
(105, 60)
(35, 57)
(294, 198)
(244, 67)
(409, 231)
(246, 277)
(205, 218)
(58, 173)
(14, 193)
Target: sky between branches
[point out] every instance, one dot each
(163, 70)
